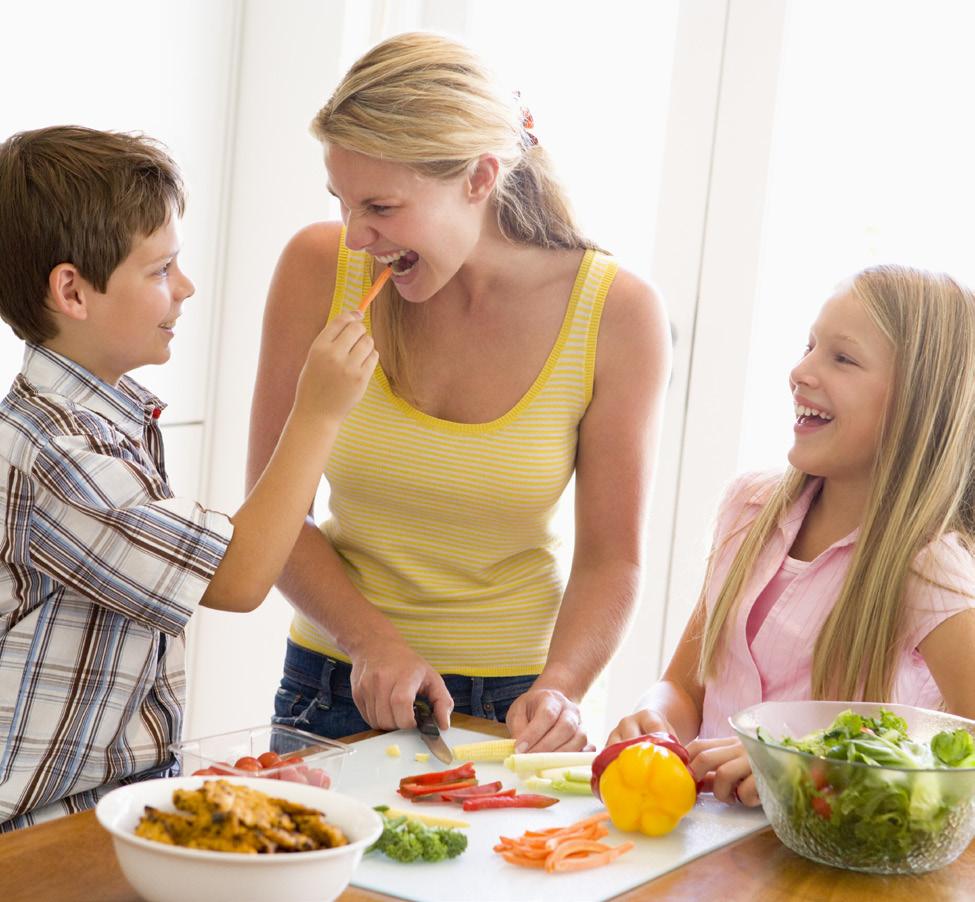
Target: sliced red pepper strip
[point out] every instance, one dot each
(414, 790)
(526, 800)
(464, 772)
(481, 789)
(461, 794)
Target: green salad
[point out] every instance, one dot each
(865, 813)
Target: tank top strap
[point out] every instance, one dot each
(353, 278)
(578, 356)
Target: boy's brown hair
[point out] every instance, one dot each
(76, 195)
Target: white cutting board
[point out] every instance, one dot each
(480, 874)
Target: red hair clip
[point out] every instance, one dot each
(527, 122)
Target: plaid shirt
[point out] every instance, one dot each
(100, 570)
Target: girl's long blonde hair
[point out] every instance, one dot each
(428, 102)
(923, 485)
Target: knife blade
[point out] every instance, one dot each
(430, 732)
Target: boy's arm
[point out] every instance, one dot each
(337, 368)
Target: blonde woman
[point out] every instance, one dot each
(851, 576)
(514, 354)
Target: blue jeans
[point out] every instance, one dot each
(316, 695)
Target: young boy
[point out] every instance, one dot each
(100, 566)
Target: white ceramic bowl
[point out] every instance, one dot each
(162, 873)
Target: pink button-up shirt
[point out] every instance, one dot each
(778, 664)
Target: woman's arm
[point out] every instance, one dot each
(386, 673)
(617, 448)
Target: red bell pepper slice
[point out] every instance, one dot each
(526, 800)
(464, 772)
(416, 790)
(474, 792)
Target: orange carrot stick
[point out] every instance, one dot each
(381, 280)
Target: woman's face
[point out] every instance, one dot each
(426, 228)
(840, 388)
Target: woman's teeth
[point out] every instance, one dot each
(402, 262)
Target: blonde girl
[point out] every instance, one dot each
(513, 354)
(851, 576)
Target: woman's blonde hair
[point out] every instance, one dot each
(923, 485)
(428, 102)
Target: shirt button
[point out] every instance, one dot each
(156, 412)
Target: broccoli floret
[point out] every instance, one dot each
(404, 847)
(404, 839)
(454, 841)
(432, 846)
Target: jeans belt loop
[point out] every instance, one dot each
(324, 697)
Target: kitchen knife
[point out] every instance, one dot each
(429, 731)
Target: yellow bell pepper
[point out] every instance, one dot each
(647, 788)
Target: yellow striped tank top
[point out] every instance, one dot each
(446, 527)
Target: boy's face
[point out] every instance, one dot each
(132, 323)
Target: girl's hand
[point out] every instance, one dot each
(338, 366)
(545, 720)
(639, 724)
(721, 766)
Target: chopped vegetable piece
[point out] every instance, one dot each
(418, 790)
(534, 762)
(525, 800)
(431, 820)
(439, 777)
(491, 750)
(460, 796)
(422, 756)
(479, 789)
(570, 848)
(393, 750)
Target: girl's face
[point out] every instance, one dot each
(426, 228)
(840, 388)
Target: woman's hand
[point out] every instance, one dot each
(721, 766)
(545, 720)
(386, 679)
(639, 724)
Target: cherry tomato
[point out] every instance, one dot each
(294, 760)
(269, 759)
(205, 772)
(222, 767)
(248, 763)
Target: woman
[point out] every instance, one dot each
(512, 353)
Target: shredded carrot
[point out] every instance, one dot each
(570, 848)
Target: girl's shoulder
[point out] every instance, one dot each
(947, 564)
(749, 490)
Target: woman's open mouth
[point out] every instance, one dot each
(401, 262)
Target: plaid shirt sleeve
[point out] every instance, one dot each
(106, 526)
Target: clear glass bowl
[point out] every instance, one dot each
(320, 761)
(894, 820)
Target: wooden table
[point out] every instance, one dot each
(72, 860)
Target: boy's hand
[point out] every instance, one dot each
(721, 766)
(338, 366)
(386, 678)
(639, 724)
